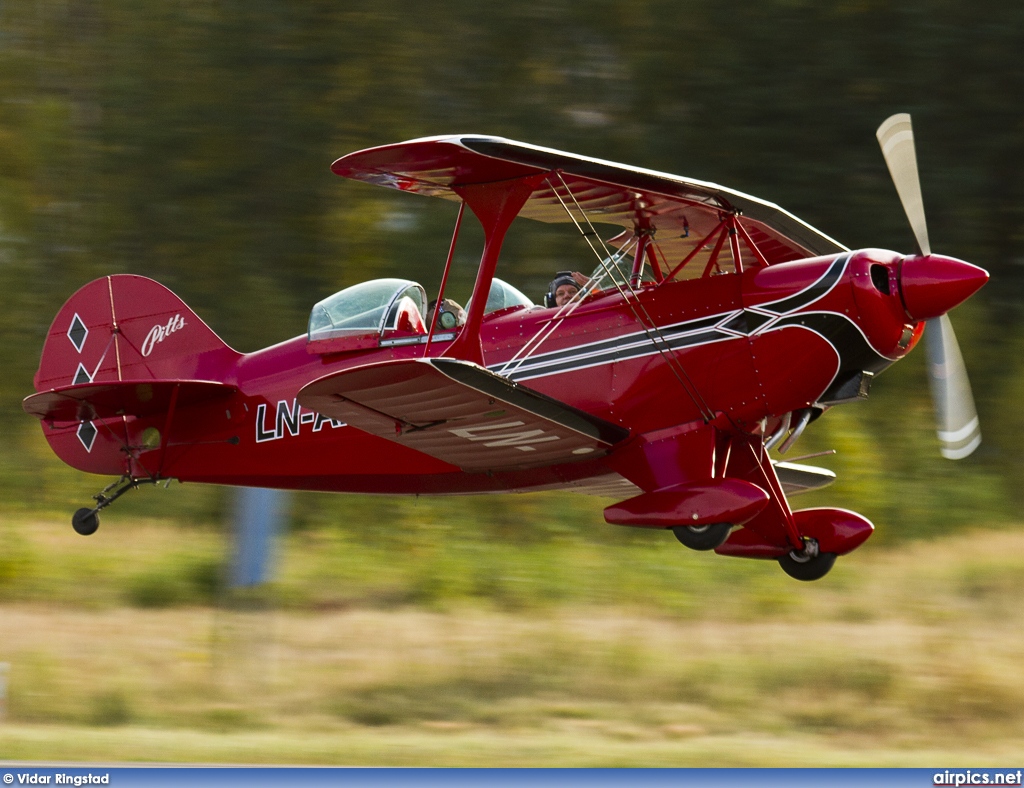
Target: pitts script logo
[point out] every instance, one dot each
(160, 332)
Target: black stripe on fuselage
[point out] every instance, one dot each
(812, 293)
(622, 353)
(605, 345)
(854, 350)
(701, 331)
(625, 346)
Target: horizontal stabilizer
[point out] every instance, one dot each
(89, 401)
(461, 413)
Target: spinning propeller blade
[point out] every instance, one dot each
(957, 419)
(956, 416)
(896, 137)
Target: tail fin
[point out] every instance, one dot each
(129, 328)
(121, 353)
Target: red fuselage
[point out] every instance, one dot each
(754, 346)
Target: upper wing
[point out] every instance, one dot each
(460, 413)
(682, 211)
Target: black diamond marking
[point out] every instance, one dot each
(81, 376)
(87, 434)
(747, 322)
(737, 323)
(77, 332)
(761, 321)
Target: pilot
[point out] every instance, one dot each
(451, 314)
(563, 287)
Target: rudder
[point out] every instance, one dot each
(119, 352)
(127, 327)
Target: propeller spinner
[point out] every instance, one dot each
(930, 286)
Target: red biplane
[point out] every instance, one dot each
(715, 327)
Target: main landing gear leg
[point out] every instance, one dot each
(85, 521)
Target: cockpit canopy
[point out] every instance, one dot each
(503, 296)
(387, 310)
(370, 308)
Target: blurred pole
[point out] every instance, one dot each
(258, 515)
(5, 668)
(243, 635)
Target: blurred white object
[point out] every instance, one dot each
(258, 516)
(5, 668)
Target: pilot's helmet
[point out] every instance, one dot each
(561, 278)
(450, 316)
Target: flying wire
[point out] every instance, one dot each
(564, 311)
(673, 363)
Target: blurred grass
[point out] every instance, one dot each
(428, 558)
(513, 553)
(558, 651)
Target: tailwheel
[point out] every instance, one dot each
(85, 521)
(807, 564)
(703, 537)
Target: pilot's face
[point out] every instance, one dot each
(564, 294)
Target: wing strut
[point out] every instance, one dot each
(444, 278)
(696, 250)
(495, 208)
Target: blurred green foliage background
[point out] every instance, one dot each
(190, 141)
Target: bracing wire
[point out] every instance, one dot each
(534, 343)
(649, 325)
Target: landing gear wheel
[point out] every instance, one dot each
(85, 521)
(703, 537)
(807, 564)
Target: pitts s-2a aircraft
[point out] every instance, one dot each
(715, 327)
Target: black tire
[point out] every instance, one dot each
(85, 521)
(703, 537)
(807, 567)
